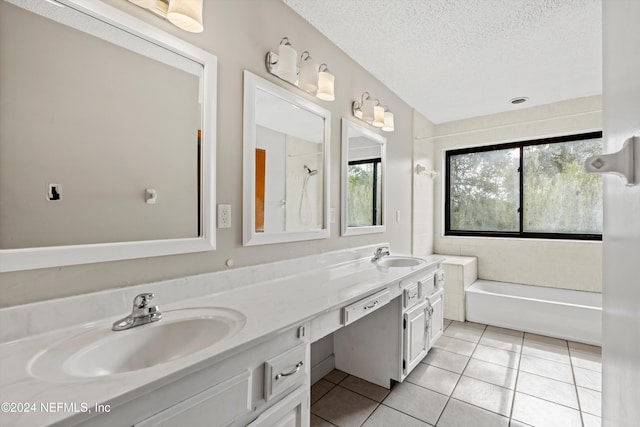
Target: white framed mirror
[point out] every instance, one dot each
(285, 165)
(108, 137)
(363, 180)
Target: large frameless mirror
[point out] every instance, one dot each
(286, 165)
(107, 137)
(363, 180)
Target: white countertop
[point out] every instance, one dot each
(270, 306)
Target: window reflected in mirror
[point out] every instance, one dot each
(363, 158)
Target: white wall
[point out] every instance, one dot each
(423, 185)
(553, 263)
(240, 33)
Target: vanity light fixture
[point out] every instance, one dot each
(423, 170)
(184, 14)
(306, 75)
(373, 112)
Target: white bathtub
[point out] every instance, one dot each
(560, 313)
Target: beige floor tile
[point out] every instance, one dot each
(455, 345)
(335, 376)
(387, 417)
(344, 408)
(587, 378)
(546, 348)
(516, 423)
(316, 421)
(491, 373)
(446, 360)
(464, 332)
(365, 388)
(545, 388)
(546, 368)
(434, 378)
(461, 414)
(488, 396)
(504, 339)
(319, 389)
(497, 356)
(591, 420)
(538, 412)
(426, 405)
(590, 401)
(446, 323)
(586, 356)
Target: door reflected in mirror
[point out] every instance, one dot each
(286, 151)
(363, 164)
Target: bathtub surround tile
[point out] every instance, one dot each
(587, 378)
(344, 408)
(319, 389)
(434, 378)
(546, 368)
(590, 401)
(491, 373)
(538, 412)
(497, 356)
(426, 405)
(455, 345)
(335, 376)
(446, 360)
(504, 339)
(547, 389)
(461, 414)
(465, 331)
(365, 388)
(385, 416)
(488, 396)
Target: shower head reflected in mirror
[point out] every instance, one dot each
(311, 172)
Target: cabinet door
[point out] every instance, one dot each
(415, 336)
(216, 406)
(292, 411)
(437, 317)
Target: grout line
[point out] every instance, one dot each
(575, 385)
(515, 386)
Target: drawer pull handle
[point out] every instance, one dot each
(412, 296)
(286, 374)
(366, 307)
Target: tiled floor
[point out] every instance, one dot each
(476, 375)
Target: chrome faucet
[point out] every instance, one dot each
(380, 252)
(141, 313)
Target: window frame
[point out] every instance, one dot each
(521, 233)
(377, 161)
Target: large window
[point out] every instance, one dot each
(364, 189)
(525, 189)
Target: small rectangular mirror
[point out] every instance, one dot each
(363, 180)
(286, 165)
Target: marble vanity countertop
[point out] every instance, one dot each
(270, 306)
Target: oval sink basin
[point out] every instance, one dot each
(101, 351)
(399, 261)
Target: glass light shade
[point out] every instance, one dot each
(326, 86)
(388, 122)
(287, 62)
(308, 79)
(186, 14)
(367, 110)
(147, 4)
(378, 116)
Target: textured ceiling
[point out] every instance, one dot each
(455, 59)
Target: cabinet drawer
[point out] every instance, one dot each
(427, 284)
(215, 406)
(285, 371)
(411, 295)
(365, 306)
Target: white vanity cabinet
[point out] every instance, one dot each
(264, 385)
(388, 344)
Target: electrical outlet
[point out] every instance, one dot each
(224, 216)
